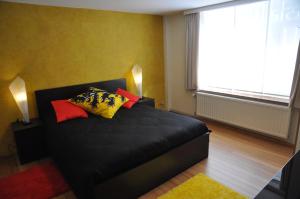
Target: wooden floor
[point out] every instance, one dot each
(237, 159)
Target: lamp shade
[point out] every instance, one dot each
(18, 90)
(138, 78)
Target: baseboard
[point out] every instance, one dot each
(183, 113)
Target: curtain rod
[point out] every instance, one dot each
(220, 5)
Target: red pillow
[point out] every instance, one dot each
(65, 110)
(132, 98)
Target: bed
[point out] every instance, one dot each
(126, 156)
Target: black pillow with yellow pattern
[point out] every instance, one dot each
(99, 102)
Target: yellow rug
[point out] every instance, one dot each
(201, 187)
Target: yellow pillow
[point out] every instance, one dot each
(99, 102)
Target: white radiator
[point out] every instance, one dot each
(262, 117)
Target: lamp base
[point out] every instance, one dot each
(24, 122)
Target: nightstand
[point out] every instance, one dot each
(29, 140)
(147, 101)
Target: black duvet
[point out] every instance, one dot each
(89, 151)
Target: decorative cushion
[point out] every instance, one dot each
(64, 110)
(99, 102)
(131, 97)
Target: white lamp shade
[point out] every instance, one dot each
(138, 78)
(18, 90)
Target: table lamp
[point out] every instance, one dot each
(18, 90)
(138, 78)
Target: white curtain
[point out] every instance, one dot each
(295, 91)
(192, 44)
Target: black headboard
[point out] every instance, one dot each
(44, 97)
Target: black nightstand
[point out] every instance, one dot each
(147, 101)
(29, 140)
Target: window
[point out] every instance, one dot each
(249, 48)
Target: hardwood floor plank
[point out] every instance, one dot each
(238, 160)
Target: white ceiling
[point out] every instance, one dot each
(159, 7)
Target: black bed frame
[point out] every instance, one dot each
(143, 178)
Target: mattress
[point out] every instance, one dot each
(90, 151)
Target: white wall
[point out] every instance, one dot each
(298, 143)
(293, 127)
(178, 98)
(295, 124)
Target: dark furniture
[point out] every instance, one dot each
(29, 140)
(147, 101)
(126, 156)
(285, 184)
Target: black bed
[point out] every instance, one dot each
(123, 157)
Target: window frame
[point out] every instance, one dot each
(252, 96)
(221, 5)
(284, 101)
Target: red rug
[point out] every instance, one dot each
(38, 182)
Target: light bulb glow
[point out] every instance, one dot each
(138, 79)
(21, 97)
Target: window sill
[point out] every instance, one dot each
(247, 96)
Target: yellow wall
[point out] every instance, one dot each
(54, 46)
